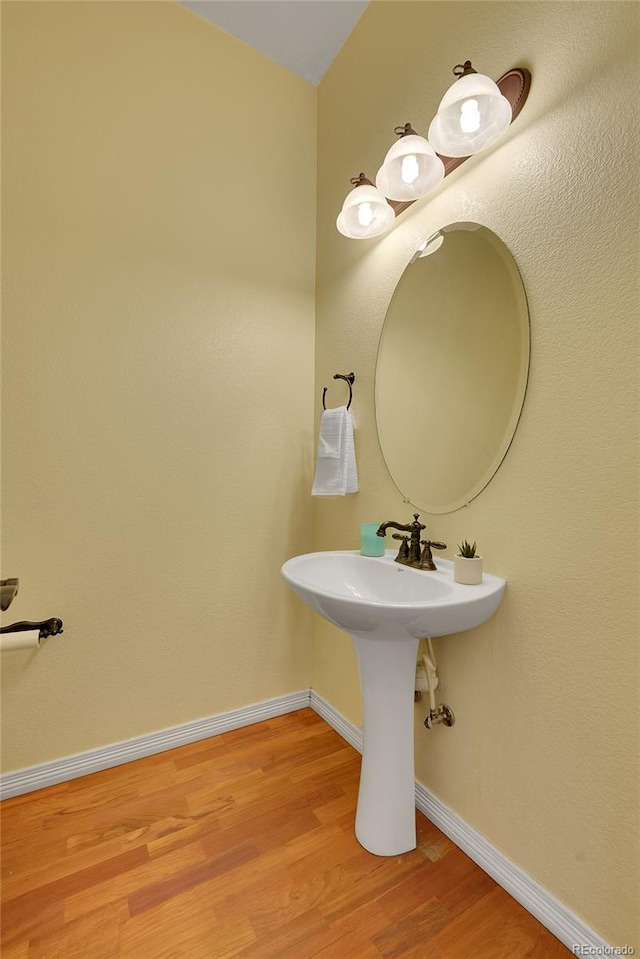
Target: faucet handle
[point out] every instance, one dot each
(403, 552)
(426, 559)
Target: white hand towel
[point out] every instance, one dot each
(336, 472)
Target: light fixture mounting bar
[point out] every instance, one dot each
(514, 85)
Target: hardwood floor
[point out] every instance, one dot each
(241, 846)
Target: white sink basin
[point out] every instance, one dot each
(362, 593)
(387, 608)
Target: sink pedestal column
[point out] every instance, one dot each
(386, 817)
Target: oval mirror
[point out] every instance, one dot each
(452, 368)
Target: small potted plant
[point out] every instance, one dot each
(467, 565)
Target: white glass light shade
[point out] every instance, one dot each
(473, 114)
(410, 170)
(365, 213)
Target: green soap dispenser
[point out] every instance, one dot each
(370, 543)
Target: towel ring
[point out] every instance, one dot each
(349, 378)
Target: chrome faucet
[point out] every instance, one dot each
(410, 552)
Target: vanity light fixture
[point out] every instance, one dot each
(472, 115)
(411, 168)
(365, 211)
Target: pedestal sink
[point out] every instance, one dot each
(387, 608)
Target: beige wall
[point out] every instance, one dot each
(543, 759)
(158, 408)
(158, 238)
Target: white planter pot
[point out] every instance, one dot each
(467, 571)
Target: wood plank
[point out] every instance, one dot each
(149, 896)
(292, 937)
(241, 846)
(495, 927)
(16, 950)
(97, 935)
(21, 923)
(417, 927)
(57, 890)
(152, 871)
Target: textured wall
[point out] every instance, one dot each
(157, 403)
(543, 759)
(158, 241)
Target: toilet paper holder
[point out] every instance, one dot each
(46, 628)
(8, 591)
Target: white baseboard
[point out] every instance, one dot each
(553, 915)
(567, 927)
(353, 734)
(71, 767)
